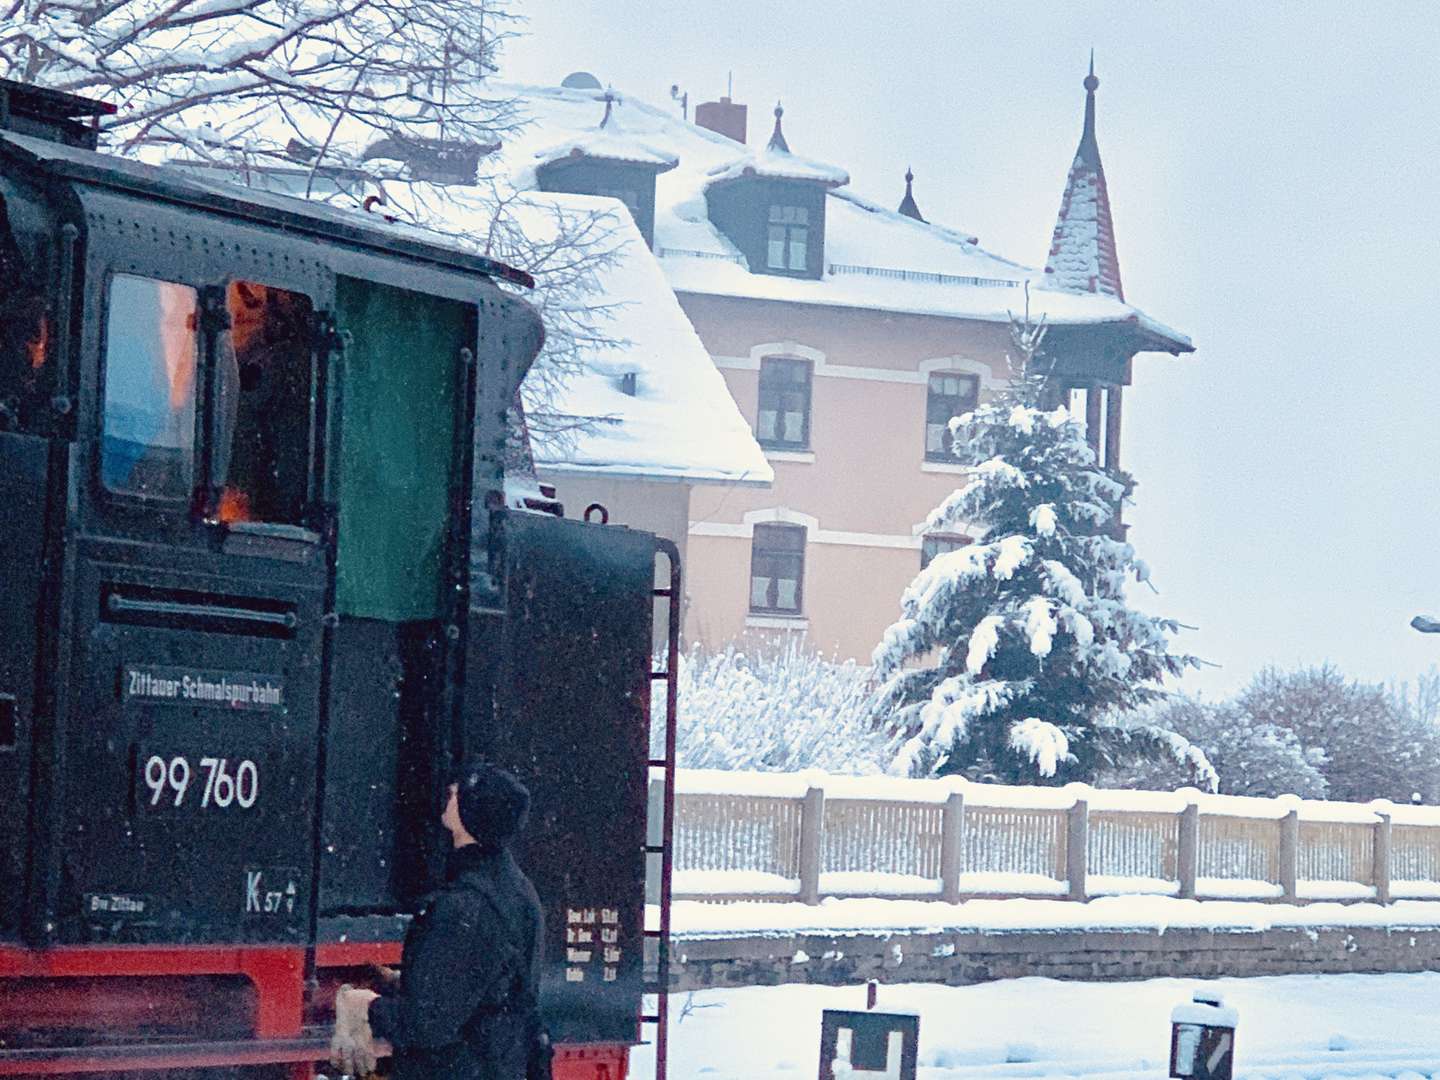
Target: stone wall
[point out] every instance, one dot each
(961, 958)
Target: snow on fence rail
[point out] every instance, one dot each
(805, 836)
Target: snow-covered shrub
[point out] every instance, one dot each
(1010, 652)
(1372, 745)
(775, 710)
(1249, 756)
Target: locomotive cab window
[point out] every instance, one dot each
(24, 328)
(151, 349)
(261, 456)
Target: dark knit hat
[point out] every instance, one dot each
(493, 804)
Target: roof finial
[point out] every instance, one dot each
(609, 100)
(907, 204)
(777, 138)
(1088, 147)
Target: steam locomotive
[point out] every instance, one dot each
(260, 589)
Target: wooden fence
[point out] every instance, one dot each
(760, 836)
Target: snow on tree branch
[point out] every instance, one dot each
(343, 93)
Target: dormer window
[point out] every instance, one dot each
(770, 204)
(789, 238)
(608, 161)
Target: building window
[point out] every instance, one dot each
(938, 544)
(777, 569)
(789, 238)
(783, 418)
(948, 396)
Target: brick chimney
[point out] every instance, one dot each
(723, 116)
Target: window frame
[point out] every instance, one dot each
(945, 454)
(790, 229)
(950, 541)
(223, 339)
(198, 417)
(777, 551)
(776, 385)
(213, 327)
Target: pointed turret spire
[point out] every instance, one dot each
(1082, 250)
(907, 204)
(1089, 148)
(777, 137)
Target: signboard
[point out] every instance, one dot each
(868, 1045)
(205, 687)
(1202, 1038)
(1200, 1052)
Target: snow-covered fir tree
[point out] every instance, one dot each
(1011, 652)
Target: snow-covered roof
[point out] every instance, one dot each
(776, 161)
(607, 146)
(874, 257)
(608, 140)
(680, 422)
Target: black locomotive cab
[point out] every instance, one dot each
(239, 435)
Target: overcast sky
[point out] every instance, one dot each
(1272, 172)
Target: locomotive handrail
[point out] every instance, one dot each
(124, 605)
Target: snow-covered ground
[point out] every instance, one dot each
(1291, 1027)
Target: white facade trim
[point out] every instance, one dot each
(722, 528)
(965, 364)
(814, 534)
(824, 369)
(945, 467)
(858, 539)
(797, 624)
(781, 514)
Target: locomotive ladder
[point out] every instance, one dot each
(665, 848)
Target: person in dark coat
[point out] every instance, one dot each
(465, 1006)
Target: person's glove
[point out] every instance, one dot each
(388, 977)
(352, 1047)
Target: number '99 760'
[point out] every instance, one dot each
(174, 780)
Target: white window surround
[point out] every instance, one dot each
(805, 457)
(794, 623)
(822, 368)
(967, 365)
(945, 467)
(814, 534)
(960, 528)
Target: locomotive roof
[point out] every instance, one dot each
(319, 219)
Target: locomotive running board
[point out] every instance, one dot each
(128, 1057)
